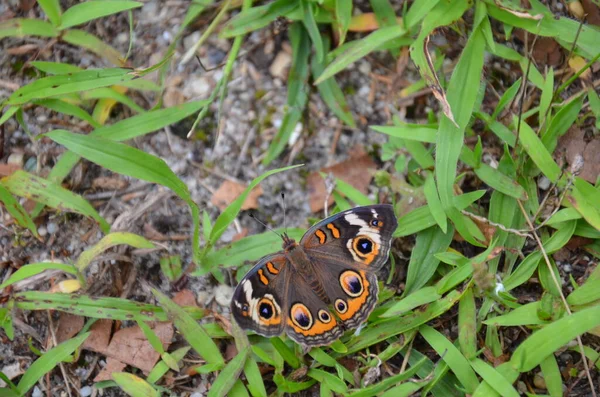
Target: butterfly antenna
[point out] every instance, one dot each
(264, 224)
(283, 205)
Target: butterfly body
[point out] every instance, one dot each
(316, 289)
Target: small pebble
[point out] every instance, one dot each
(16, 159)
(539, 381)
(85, 391)
(42, 231)
(223, 295)
(37, 392)
(567, 268)
(544, 183)
(52, 227)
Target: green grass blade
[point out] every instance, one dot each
(297, 94)
(52, 10)
(544, 342)
(21, 27)
(467, 327)
(584, 198)
(134, 385)
(458, 364)
(229, 375)
(16, 210)
(494, 378)
(434, 203)
(93, 9)
(191, 331)
(52, 86)
(552, 376)
(257, 17)
(420, 297)
(83, 39)
(423, 262)
(414, 132)
(161, 368)
(538, 152)
(32, 269)
(110, 241)
(48, 193)
(359, 49)
(48, 361)
(231, 212)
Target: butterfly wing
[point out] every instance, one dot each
(346, 250)
(259, 301)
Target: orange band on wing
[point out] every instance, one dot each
(334, 230)
(262, 277)
(318, 328)
(355, 304)
(321, 236)
(271, 268)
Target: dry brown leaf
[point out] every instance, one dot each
(593, 12)
(68, 326)
(229, 191)
(357, 171)
(185, 297)
(130, 346)
(152, 234)
(576, 63)
(112, 365)
(99, 337)
(8, 169)
(573, 145)
(366, 22)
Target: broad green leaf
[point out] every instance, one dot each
(93, 9)
(51, 194)
(523, 315)
(48, 361)
(81, 38)
(587, 293)
(584, 198)
(134, 385)
(561, 122)
(538, 152)
(334, 383)
(552, 376)
(64, 107)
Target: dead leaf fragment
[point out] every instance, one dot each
(112, 365)
(8, 169)
(68, 326)
(129, 345)
(357, 171)
(230, 190)
(576, 63)
(573, 145)
(185, 297)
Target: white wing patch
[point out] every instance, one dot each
(252, 302)
(365, 229)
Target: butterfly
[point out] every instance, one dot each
(316, 289)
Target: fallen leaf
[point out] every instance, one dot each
(576, 63)
(357, 171)
(185, 298)
(99, 336)
(434, 83)
(152, 234)
(68, 326)
(112, 365)
(573, 145)
(8, 169)
(130, 346)
(229, 191)
(593, 12)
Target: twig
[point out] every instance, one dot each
(498, 225)
(62, 367)
(562, 296)
(524, 87)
